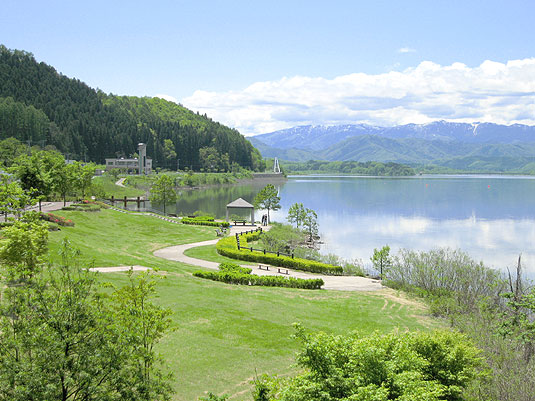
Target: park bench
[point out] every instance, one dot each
(242, 222)
(282, 271)
(263, 267)
(219, 233)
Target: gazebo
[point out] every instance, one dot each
(241, 204)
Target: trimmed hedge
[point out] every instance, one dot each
(83, 207)
(227, 247)
(233, 274)
(234, 268)
(194, 221)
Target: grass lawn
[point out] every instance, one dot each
(108, 185)
(209, 252)
(225, 333)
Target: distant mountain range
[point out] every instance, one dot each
(470, 147)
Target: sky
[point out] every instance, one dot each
(263, 66)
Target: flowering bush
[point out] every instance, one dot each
(62, 221)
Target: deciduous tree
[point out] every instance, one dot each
(163, 190)
(381, 259)
(267, 199)
(296, 214)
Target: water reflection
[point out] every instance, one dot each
(492, 218)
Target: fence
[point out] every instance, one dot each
(258, 250)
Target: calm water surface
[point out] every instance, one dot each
(490, 217)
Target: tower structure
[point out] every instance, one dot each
(142, 158)
(276, 167)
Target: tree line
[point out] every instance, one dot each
(40, 105)
(350, 167)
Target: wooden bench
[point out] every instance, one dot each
(282, 271)
(263, 267)
(242, 222)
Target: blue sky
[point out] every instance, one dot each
(247, 57)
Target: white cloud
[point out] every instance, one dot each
(406, 50)
(167, 97)
(492, 92)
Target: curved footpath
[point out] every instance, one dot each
(341, 283)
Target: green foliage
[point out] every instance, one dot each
(163, 190)
(381, 260)
(234, 274)
(13, 198)
(213, 397)
(211, 160)
(202, 222)
(62, 221)
(63, 340)
(281, 238)
(227, 247)
(267, 199)
(310, 224)
(409, 366)
(234, 268)
(445, 273)
(296, 214)
(142, 324)
(349, 167)
(10, 149)
(23, 247)
(85, 206)
(37, 103)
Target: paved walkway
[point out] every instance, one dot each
(341, 283)
(115, 269)
(120, 182)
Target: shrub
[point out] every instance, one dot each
(234, 268)
(62, 221)
(227, 247)
(83, 207)
(398, 366)
(231, 273)
(201, 222)
(53, 226)
(5, 224)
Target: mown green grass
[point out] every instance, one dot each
(209, 252)
(226, 334)
(107, 183)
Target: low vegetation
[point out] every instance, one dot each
(496, 312)
(349, 167)
(237, 329)
(228, 247)
(234, 274)
(397, 366)
(63, 337)
(204, 221)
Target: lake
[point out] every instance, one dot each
(492, 218)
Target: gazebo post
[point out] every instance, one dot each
(227, 215)
(252, 215)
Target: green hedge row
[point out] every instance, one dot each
(188, 220)
(227, 247)
(83, 207)
(233, 274)
(234, 268)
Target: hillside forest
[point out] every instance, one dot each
(40, 106)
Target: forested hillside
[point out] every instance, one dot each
(40, 105)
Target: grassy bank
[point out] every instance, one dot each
(225, 332)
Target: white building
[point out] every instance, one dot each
(141, 165)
